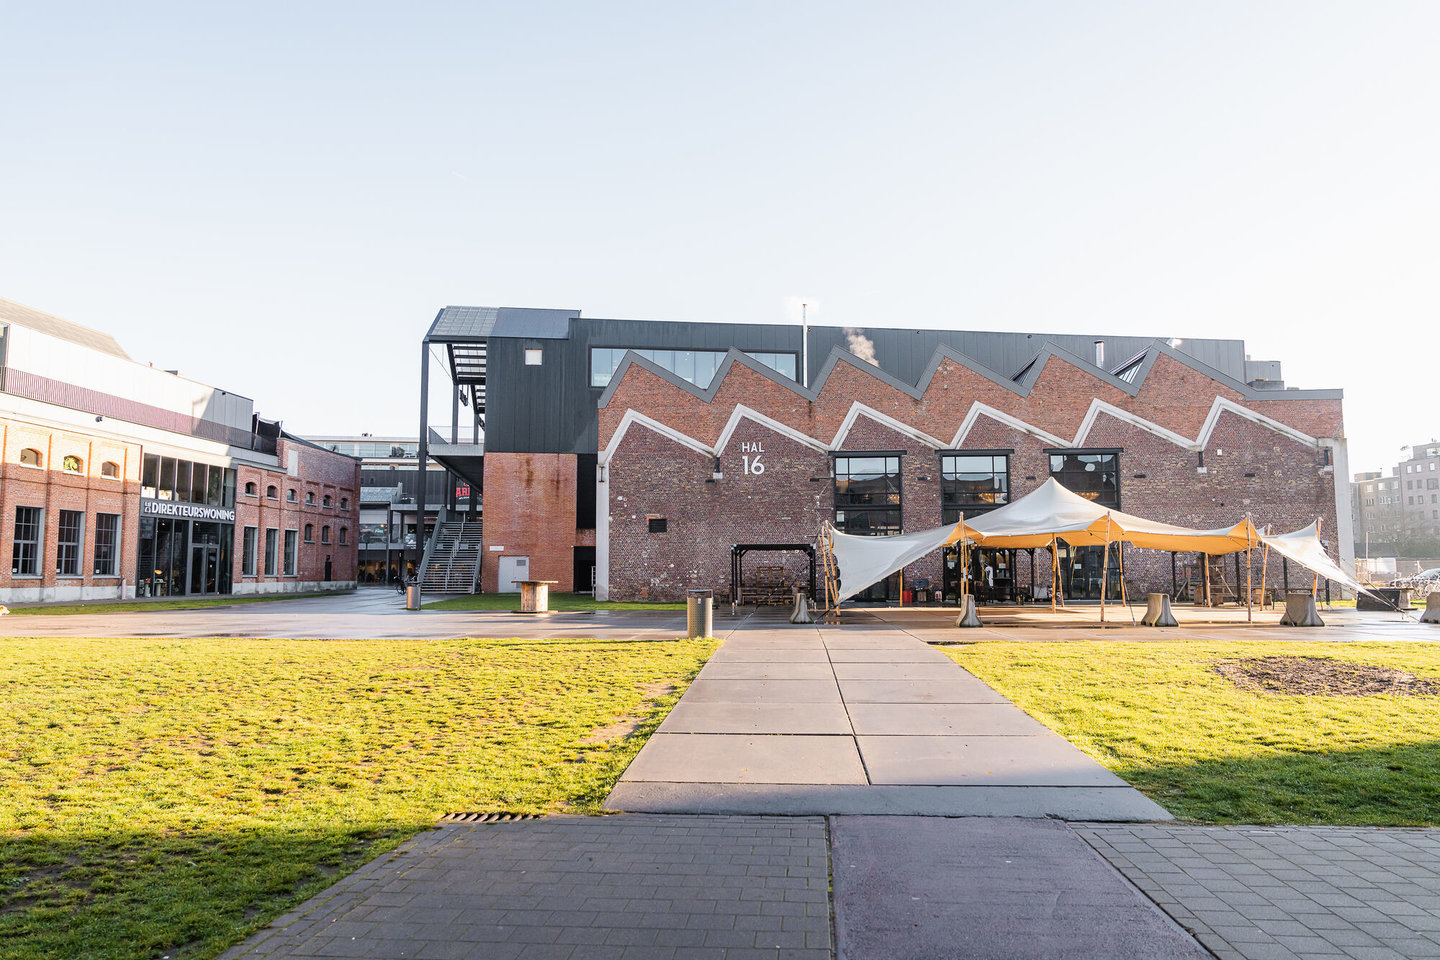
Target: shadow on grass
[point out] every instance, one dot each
(1393, 786)
(117, 895)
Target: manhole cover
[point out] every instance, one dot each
(487, 817)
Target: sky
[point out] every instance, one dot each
(278, 198)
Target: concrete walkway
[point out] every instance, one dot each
(860, 721)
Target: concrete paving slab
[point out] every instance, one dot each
(944, 719)
(925, 887)
(707, 717)
(919, 691)
(765, 670)
(1091, 804)
(889, 670)
(723, 758)
(1048, 761)
(763, 691)
(915, 653)
(761, 654)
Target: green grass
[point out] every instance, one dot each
(151, 606)
(558, 601)
(166, 797)
(1159, 716)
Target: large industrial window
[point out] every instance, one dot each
(972, 483)
(867, 495)
(1094, 475)
(247, 551)
(67, 546)
(697, 366)
(272, 550)
(292, 538)
(107, 544)
(25, 559)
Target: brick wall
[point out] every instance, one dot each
(530, 512)
(1250, 467)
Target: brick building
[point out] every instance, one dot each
(120, 480)
(704, 436)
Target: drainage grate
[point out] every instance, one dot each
(487, 817)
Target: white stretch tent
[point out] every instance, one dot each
(1052, 513)
(1304, 547)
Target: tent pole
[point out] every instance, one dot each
(964, 565)
(1205, 570)
(1104, 567)
(1120, 556)
(1054, 575)
(1174, 581)
(1249, 588)
(1264, 560)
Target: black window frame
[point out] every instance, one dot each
(249, 548)
(848, 505)
(291, 560)
(67, 551)
(952, 504)
(1114, 452)
(272, 551)
(26, 562)
(105, 550)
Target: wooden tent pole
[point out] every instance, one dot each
(964, 565)
(1205, 572)
(1054, 574)
(1120, 556)
(1104, 567)
(1249, 587)
(1264, 561)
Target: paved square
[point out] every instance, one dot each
(577, 888)
(1280, 893)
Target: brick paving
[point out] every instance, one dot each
(577, 888)
(1280, 893)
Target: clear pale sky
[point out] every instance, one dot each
(277, 198)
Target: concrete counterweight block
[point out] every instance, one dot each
(968, 617)
(1432, 608)
(1300, 611)
(801, 613)
(1157, 611)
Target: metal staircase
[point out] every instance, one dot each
(452, 563)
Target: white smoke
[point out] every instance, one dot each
(860, 345)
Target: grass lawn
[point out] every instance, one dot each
(165, 797)
(106, 606)
(1158, 715)
(558, 601)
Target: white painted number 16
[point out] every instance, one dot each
(753, 465)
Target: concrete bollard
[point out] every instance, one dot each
(801, 613)
(1432, 608)
(1300, 611)
(968, 616)
(1157, 611)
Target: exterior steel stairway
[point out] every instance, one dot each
(454, 561)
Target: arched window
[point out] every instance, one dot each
(272, 493)
(310, 498)
(344, 535)
(110, 469)
(72, 463)
(290, 495)
(31, 457)
(325, 534)
(327, 499)
(344, 505)
(251, 489)
(309, 533)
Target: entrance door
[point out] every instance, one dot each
(512, 570)
(1082, 572)
(205, 568)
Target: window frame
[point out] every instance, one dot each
(291, 567)
(249, 548)
(33, 567)
(38, 458)
(272, 551)
(67, 552)
(893, 505)
(951, 505)
(113, 544)
(1052, 452)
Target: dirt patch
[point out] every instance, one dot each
(625, 726)
(1323, 677)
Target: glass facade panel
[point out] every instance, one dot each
(166, 488)
(149, 476)
(25, 556)
(867, 504)
(697, 366)
(1094, 476)
(182, 480)
(973, 484)
(107, 544)
(292, 538)
(247, 552)
(272, 552)
(215, 486)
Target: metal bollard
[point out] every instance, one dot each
(412, 597)
(700, 613)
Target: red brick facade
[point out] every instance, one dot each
(320, 476)
(1278, 472)
(530, 508)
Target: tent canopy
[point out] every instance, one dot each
(1051, 513)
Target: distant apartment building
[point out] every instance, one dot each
(1399, 514)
